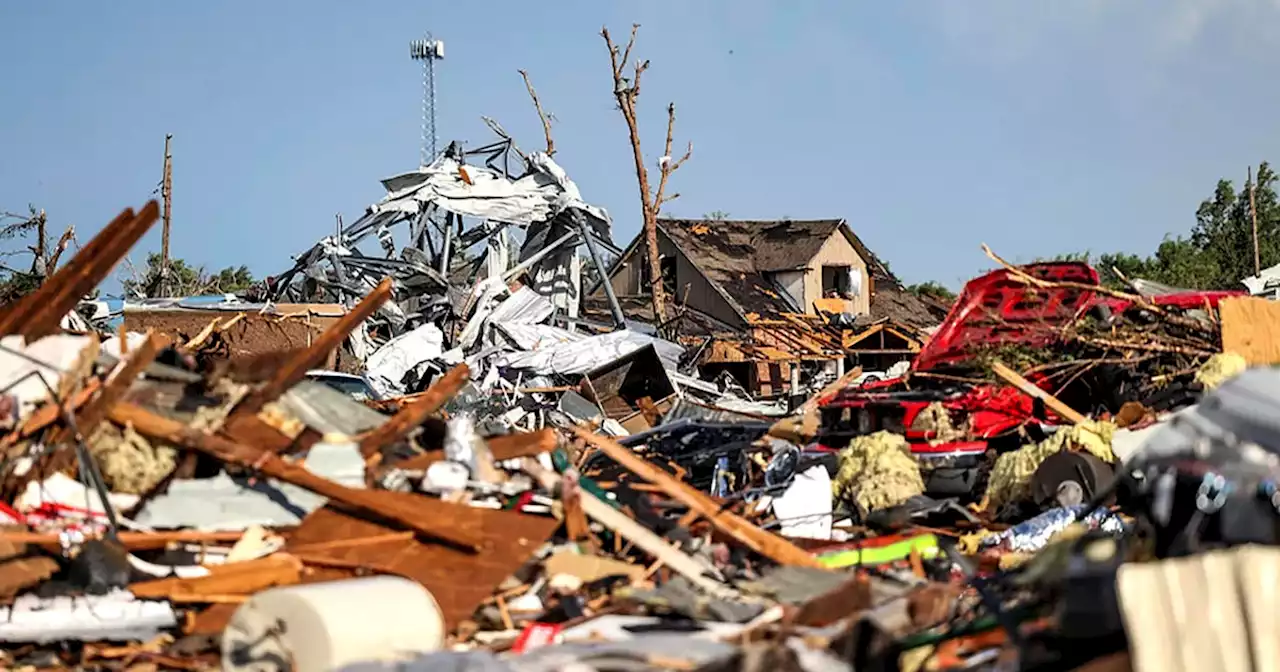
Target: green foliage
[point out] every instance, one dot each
(716, 216)
(186, 280)
(932, 290)
(1218, 253)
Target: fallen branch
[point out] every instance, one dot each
(537, 105)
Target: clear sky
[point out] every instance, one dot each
(931, 125)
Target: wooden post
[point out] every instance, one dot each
(1253, 212)
(166, 194)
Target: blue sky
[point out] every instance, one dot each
(932, 125)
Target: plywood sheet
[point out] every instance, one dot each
(459, 581)
(1251, 329)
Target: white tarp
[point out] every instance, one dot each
(386, 367)
(23, 365)
(487, 194)
(805, 508)
(582, 354)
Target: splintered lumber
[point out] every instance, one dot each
(134, 541)
(1029, 388)
(505, 447)
(39, 313)
(115, 388)
(237, 578)
(769, 545)
(458, 581)
(643, 538)
(296, 367)
(413, 414)
(424, 515)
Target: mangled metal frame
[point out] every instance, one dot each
(434, 202)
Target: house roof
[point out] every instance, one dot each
(735, 254)
(725, 252)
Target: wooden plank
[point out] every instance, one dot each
(117, 385)
(1029, 388)
(60, 294)
(425, 515)
(412, 415)
(295, 369)
(1251, 329)
(642, 537)
(21, 312)
(237, 578)
(769, 545)
(134, 541)
(506, 447)
(458, 581)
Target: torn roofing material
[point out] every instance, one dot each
(485, 193)
(738, 255)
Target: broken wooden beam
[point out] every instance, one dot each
(769, 545)
(426, 516)
(40, 313)
(134, 541)
(505, 447)
(295, 368)
(1030, 389)
(412, 415)
(114, 389)
(237, 578)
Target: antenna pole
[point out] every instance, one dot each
(166, 193)
(428, 50)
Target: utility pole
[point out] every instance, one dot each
(1253, 212)
(166, 193)
(428, 51)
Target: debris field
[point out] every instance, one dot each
(450, 436)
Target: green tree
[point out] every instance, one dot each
(187, 280)
(716, 216)
(1218, 252)
(932, 290)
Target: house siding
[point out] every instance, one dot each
(837, 252)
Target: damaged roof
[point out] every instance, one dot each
(736, 254)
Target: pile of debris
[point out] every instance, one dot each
(526, 490)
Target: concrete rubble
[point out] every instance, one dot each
(448, 461)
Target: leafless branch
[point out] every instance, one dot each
(667, 164)
(546, 122)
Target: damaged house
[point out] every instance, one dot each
(763, 300)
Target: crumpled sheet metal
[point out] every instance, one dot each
(386, 367)
(1033, 535)
(540, 196)
(584, 354)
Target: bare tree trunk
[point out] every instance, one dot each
(625, 93)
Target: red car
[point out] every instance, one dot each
(994, 310)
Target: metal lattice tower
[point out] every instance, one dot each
(428, 51)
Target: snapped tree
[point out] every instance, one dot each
(28, 235)
(625, 91)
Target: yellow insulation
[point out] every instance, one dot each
(1220, 368)
(1011, 477)
(876, 472)
(130, 464)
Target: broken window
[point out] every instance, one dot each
(843, 282)
(667, 266)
